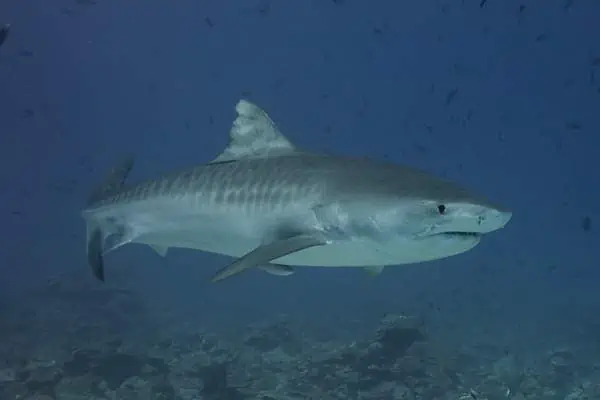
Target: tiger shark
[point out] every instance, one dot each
(273, 206)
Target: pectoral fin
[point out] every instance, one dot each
(266, 253)
(277, 269)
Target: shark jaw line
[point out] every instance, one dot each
(450, 235)
(461, 234)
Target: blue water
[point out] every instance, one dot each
(501, 96)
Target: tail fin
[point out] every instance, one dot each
(113, 182)
(95, 249)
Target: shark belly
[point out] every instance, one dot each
(358, 252)
(363, 252)
(231, 236)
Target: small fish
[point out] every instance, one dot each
(4, 33)
(586, 224)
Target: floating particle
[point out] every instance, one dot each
(586, 224)
(451, 95)
(573, 125)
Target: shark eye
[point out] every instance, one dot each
(441, 209)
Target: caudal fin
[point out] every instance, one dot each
(95, 253)
(113, 182)
(96, 235)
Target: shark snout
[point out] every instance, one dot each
(494, 219)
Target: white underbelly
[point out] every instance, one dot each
(366, 252)
(350, 253)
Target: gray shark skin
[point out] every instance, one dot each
(272, 206)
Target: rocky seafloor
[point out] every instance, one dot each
(96, 344)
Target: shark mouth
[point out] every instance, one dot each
(462, 234)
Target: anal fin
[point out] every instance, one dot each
(266, 253)
(160, 250)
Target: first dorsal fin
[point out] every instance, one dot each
(253, 135)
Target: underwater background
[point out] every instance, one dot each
(501, 96)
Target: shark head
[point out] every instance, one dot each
(452, 212)
(463, 217)
(432, 218)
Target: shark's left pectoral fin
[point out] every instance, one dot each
(277, 269)
(266, 253)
